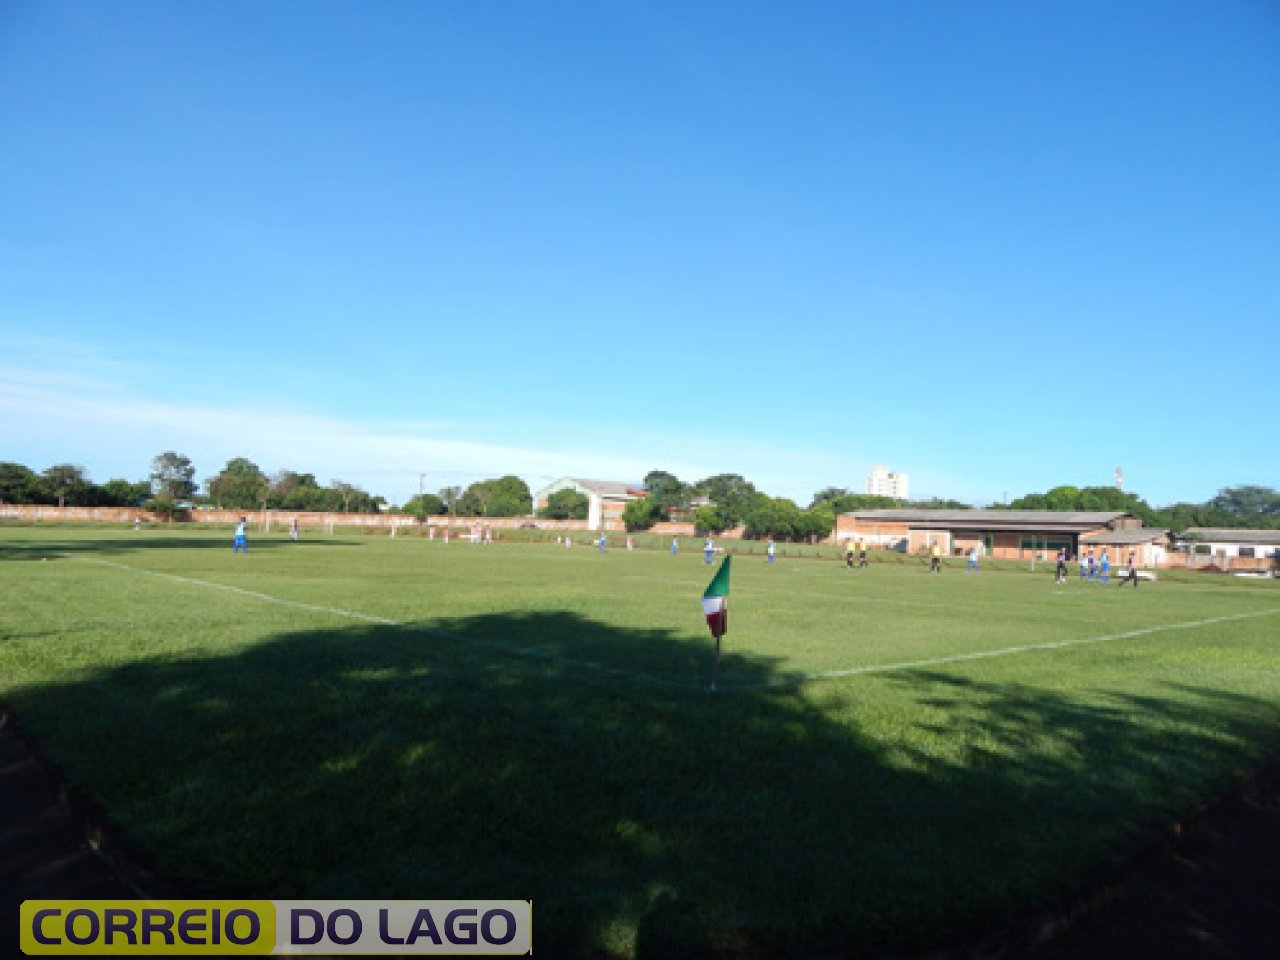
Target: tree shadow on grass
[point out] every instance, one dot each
(597, 776)
(1084, 780)
(44, 549)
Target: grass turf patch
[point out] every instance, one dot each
(359, 717)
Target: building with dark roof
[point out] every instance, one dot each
(1230, 548)
(1008, 534)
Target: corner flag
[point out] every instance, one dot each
(715, 601)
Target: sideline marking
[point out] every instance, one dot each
(1002, 652)
(794, 681)
(530, 652)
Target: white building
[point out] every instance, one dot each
(606, 499)
(1207, 544)
(882, 482)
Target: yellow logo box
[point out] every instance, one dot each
(258, 928)
(148, 928)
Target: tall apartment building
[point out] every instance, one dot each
(884, 483)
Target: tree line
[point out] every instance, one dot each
(171, 488)
(713, 504)
(1248, 506)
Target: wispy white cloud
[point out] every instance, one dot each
(58, 417)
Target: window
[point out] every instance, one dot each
(1246, 552)
(1044, 544)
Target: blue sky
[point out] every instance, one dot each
(996, 246)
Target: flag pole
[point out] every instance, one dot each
(715, 607)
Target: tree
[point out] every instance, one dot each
(352, 498)
(642, 513)
(65, 481)
(1030, 501)
(826, 495)
(511, 497)
(771, 517)
(566, 504)
(1179, 516)
(173, 477)
(504, 497)
(710, 519)
(19, 484)
(666, 492)
(299, 491)
(817, 522)
(781, 518)
(729, 493)
(240, 486)
(848, 502)
(450, 497)
(423, 505)
(122, 493)
(475, 501)
(1062, 498)
(1254, 504)
(1089, 499)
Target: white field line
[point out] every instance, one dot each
(1002, 652)
(660, 681)
(265, 597)
(529, 652)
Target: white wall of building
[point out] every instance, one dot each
(882, 482)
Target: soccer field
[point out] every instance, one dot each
(892, 759)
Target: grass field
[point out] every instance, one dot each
(894, 759)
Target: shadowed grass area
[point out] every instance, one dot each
(536, 724)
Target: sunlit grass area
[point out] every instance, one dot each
(893, 759)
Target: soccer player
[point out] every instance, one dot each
(862, 553)
(973, 561)
(935, 558)
(675, 546)
(708, 550)
(848, 554)
(601, 542)
(1131, 574)
(293, 529)
(1060, 574)
(1104, 568)
(771, 550)
(240, 544)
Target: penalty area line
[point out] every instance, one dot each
(992, 654)
(530, 653)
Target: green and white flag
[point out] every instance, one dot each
(715, 601)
